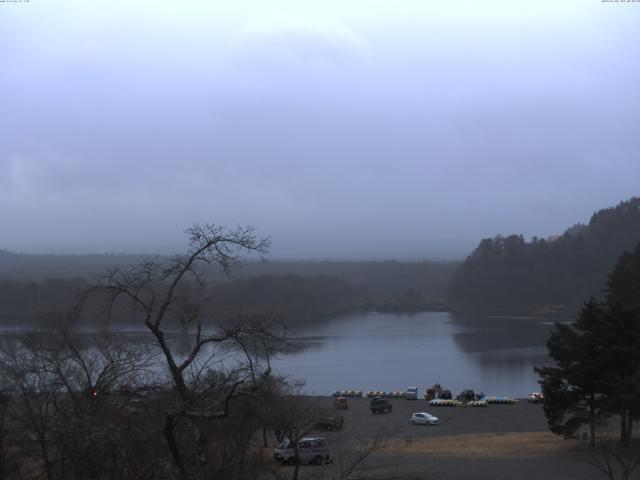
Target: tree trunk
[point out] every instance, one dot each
(45, 457)
(176, 373)
(265, 443)
(169, 425)
(296, 464)
(201, 427)
(592, 420)
(623, 429)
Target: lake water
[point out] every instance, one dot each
(391, 351)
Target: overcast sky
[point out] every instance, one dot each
(343, 129)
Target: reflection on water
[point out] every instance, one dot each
(373, 351)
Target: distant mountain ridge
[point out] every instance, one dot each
(509, 274)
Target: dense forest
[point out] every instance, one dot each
(32, 287)
(505, 274)
(381, 279)
(508, 273)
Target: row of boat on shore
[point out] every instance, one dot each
(468, 401)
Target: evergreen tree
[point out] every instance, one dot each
(573, 389)
(623, 286)
(597, 371)
(621, 335)
(507, 273)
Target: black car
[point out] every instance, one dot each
(330, 423)
(380, 405)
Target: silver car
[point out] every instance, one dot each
(310, 450)
(424, 418)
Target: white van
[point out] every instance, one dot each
(310, 450)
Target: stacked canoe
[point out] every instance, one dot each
(500, 399)
(379, 393)
(347, 393)
(441, 402)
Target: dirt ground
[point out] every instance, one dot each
(496, 442)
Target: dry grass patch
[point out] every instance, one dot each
(526, 444)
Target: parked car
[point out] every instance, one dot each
(436, 391)
(341, 403)
(380, 405)
(330, 423)
(466, 396)
(446, 395)
(310, 450)
(424, 418)
(535, 397)
(412, 393)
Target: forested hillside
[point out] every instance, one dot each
(384, 280)
(33, 286)
(507, 274)
(503, 274)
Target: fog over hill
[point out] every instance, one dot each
(342, 129)
(505, 274)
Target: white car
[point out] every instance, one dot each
(424, 418)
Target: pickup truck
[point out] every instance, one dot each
(380, 405)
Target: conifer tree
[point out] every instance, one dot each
(597, 359)
(621, 335)
(574, 389)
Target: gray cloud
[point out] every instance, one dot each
(340, 130)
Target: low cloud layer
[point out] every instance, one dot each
(359, 129)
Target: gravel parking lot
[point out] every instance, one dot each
(494, 442)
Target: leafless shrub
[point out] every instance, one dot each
(614, 458)
(63, 410)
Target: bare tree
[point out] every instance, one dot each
(353, 452)
(614, 461)
(220, 360)
(90, 367)
(70, 393)
(8, 458)
(33, 394)
(5, 455)
(60, 397)
(294, 416)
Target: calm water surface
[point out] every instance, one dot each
(375, 351)
(391, 351)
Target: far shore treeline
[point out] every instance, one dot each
(31, 287)
(547, 276)
(505, 274)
